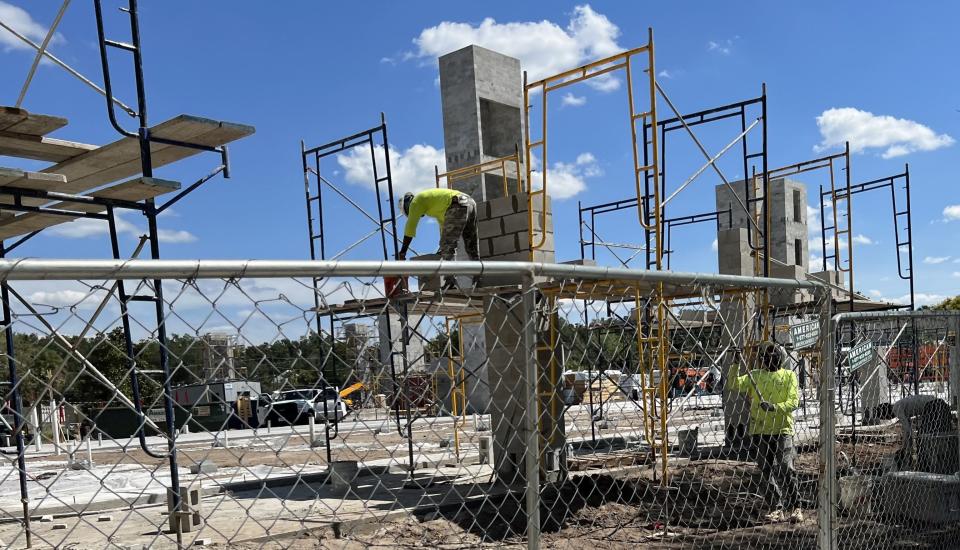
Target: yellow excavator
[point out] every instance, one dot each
(349, 390)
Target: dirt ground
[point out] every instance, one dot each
(709, 504)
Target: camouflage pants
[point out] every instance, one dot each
(774, 455)
(460, 221)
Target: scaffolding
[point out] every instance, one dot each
(81, 184)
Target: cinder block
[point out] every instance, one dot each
(504, 245)
(502, 206)
(204, 467)
(189, 517)
(491, 228)
(515, 222)
(541, 241)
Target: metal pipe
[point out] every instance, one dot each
(827, 490)
(50, 269)
(531, 416)
(41, 50)
(68, 68)
(18, 419)
(710, 162)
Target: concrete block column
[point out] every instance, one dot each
(504, 325)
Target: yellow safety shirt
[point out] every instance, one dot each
(433, 203)
(779, 388)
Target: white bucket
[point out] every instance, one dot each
(856, 493)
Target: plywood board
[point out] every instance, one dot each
(21, 121)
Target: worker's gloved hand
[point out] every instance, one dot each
(767, 406)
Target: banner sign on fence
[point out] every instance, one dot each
(805, 335)
(860, 355)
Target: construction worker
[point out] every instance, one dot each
(773, 394)
(456, 213)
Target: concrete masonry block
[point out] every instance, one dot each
(501, 206)
(515, 222)
(538, 238)
(504, 245)
(491, 228)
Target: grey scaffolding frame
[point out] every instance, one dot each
(385, 222)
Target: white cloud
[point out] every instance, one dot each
(723, 47)
(175, 236)
(865, 130)
(89, 227)
(571, 100)
(543, 47)
(956, 273)
(934, 260)
(863, 239)
(565, 180)
(20, 20)
(665, 74)
(920, 298)
(715, 245)
(412, 170)
(951, 212)
(67, 297)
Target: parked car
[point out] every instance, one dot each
(296, 406)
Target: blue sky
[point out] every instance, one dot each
(878, 74)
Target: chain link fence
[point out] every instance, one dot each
(895, 454)
(319, 404)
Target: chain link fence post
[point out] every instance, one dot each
(532, 455)
(826, 511)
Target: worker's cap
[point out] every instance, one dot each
(404, 203)
(773, 350)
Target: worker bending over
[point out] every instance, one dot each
(456, 213)
(773, 393)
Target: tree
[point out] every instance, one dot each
(952, 304)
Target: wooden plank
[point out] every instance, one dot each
(27, 146)
(133, 190)
(137, 189)
(21, 225)
(52, 181)
(13, 119)
(121, 159)
(183, 128)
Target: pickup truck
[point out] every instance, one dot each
(296, 406)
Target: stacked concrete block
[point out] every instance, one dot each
(482, 100)
(788, 223)
(507, 349)
(503, 225)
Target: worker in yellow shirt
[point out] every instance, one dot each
(773, 393)
(455, 212)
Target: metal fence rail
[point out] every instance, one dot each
(554, 405)
(894, 454)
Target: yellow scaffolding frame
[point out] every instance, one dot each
(458, 389)
(603, 66)
(495, 165)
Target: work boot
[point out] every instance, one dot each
(449, 283)
(796, 516)
(775, 516)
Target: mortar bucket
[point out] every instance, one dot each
(394, 285)
(687, 441)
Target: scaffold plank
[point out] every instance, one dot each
(21, 121)
(121, 159)
(35, 147)
(132, 190)
(10, 175)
